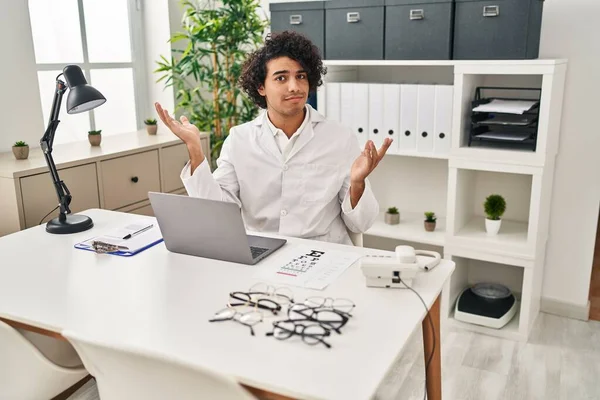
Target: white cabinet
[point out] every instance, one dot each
(116, 175)
(433, 168)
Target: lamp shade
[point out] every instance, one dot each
(82, 97)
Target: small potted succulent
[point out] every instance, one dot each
(151, 126)
(20, 150)
(494, 207)
(95, 137)
(429, 222)
(392, 216)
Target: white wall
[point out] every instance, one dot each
(20, 104)
(570, 30)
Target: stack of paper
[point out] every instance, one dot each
(506, 106)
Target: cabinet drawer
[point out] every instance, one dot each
(497, 29)
(419, 32)
(172, 161)
(355, 31)
(144, 210)
(306, 17)
(127, 180)
(39, 195)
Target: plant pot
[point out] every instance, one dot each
(95, 139)
(492, 226)
(151, 129)
(21, 152)
(429, 226)
(392, 219)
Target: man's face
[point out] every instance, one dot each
(286, 86)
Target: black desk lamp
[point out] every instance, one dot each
(81, 98)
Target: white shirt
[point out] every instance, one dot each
(305, 194)
(284, 143)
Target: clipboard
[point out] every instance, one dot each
(113, 242)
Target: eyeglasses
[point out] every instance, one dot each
(282, 295)
(310, 333)
(345, 306)
(102, 248)
(331, 318)
(248, 317)
(247, 299)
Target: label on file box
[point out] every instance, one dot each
(360, 96)
(407, 140)
(444, 96)
(391, 115)
(425, 118)
(376, 101)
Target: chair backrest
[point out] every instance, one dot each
(25, 373)
(128, 373)
(356, 238)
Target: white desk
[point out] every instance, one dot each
(162, 301)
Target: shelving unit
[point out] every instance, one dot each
(454, 185)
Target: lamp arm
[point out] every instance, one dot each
(62, 192)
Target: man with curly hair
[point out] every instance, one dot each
(290, 170)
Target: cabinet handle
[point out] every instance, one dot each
(424, 134)
(491, 11)
(360, 130)
(353, 17)
(407, 133)
(135, 179)
(295, 19)
(375, 130)
(442, 135)
(391, 132)
(417, 15)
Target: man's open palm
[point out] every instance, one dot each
(186, 131)
(368, 160)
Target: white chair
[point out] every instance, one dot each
(356, 238)
(127, 373)
(26, 374)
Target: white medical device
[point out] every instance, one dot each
(389, 271)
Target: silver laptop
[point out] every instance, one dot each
(209, 229)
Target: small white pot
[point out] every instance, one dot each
(492, 226)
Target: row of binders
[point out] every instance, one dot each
(417, 117)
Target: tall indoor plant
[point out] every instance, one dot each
(216, 38)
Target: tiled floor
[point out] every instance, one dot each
(595, 283)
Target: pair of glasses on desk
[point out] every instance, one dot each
(103, 248)
(247, 308)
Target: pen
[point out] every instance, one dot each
(129, 236)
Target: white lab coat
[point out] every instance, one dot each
(306, 196)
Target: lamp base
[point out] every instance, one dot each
(73, 224)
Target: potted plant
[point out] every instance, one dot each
(151, 126)
(392, 216)
(494, 207)
(95, 137)
(429, 222)
(20, 150)
(217, 41)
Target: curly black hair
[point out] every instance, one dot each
(284, 44)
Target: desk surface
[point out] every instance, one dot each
(162, 301)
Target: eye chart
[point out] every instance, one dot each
(310, 267)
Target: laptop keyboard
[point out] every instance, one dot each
(257, 251)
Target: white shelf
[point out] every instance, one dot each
(509, 331)
(420, 155)
(510, 241)
(436, 63)
(410, 229)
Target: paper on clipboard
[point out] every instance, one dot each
(131, 246)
